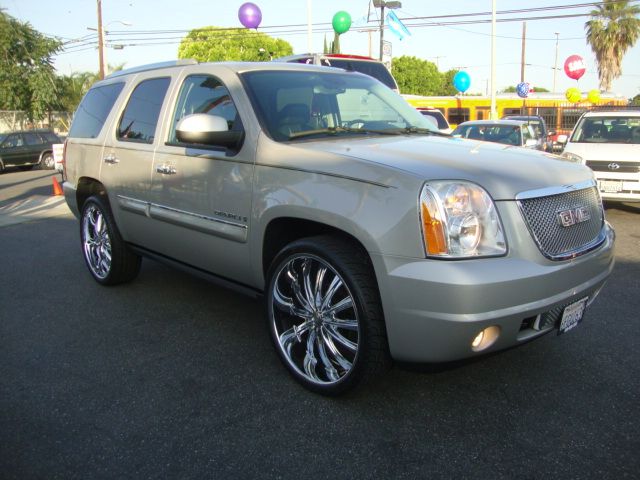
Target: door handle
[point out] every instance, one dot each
(111, 159)
(166, 169)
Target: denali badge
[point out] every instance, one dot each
(573, 215)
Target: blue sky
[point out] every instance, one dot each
(452, 46)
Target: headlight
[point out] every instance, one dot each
(459, 220)
(572, 157)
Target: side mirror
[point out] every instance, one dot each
(562, 139)
(206, 129)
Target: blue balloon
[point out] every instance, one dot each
(462, 81)
(523, 89)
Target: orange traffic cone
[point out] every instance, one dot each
(57, 189)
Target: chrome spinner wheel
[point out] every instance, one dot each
(314, 319)
(96, 243)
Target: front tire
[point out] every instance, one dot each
(107, 256)
(325, 316)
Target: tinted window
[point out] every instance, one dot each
(94, 110)
(205, 94)
(11, 141)
(140, 117)
(50, 137)
(32, 139)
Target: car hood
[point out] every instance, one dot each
(614, 152)
(504, 171)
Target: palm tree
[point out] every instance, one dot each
(613, 29)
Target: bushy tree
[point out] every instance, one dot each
(214, 44)
(421, 77)
(27, 75)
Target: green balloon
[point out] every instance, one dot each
(341, 22)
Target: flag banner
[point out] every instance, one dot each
(396, 26)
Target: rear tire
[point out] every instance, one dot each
(325, 316)
(107, 256)
(47, 162)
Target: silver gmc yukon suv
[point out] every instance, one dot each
(370, 235)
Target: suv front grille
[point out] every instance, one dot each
(545, 214)
(613, 166)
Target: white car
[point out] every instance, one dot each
(609, 143)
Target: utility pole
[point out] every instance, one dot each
(555, 65)
(522, 59)
(381, 29)
(493, 114)
(100, 41)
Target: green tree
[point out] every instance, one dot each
(613, 29)
(635, 100)
(447, 83)
(417, 77)
(512, 89)
(27, 76)
(214, 44)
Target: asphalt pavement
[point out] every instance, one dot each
(172, 377)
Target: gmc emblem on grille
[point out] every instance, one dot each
(573, 216)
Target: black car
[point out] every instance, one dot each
(539, 127)
(27, 148)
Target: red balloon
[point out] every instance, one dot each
(574, 67)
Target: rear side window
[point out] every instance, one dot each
(32, 139)
(140, 117)
(94, 110)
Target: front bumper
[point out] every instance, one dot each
(434, 309)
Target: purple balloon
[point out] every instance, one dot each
(250, 15)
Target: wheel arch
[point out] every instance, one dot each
(282, 231)
(87, 187)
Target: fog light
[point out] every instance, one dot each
(485, 338)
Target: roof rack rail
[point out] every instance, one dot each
(153, 66)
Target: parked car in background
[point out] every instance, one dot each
(27, 148)
(539, 126)
(370, 234)
(508, 132)
(608, 142)
(355, 63)
(437, 117)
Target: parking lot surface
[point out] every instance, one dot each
(172, 377)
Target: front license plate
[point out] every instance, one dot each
(572, 315)
(610, 186)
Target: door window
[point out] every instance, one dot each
(140, 117)
(205, 94)
(94, 110)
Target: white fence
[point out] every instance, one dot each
(11, 120)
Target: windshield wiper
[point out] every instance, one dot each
(423, 131)
(336, 130)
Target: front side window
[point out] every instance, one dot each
(140, 117)
(205, 94)
(94, 110)
(312, 104)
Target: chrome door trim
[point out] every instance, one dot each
(193, 221)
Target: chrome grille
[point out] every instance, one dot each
(558, 242)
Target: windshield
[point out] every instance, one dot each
(311, 104)
(607, 130)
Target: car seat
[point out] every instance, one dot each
(293, 118)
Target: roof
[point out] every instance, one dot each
(613, 113)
